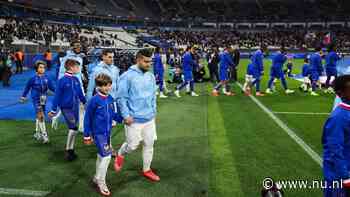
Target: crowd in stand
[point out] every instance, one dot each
(124, 60)
(45, 33)
(287, 38)
(316, 10)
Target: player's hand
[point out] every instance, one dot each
(23, 99)
(51, 114)
(129, 120)
(114, 123)
(88, 140)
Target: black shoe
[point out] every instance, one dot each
(70, 155)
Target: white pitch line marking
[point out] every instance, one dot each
(22, 192)
(289, 131)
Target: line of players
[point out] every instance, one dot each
(312, 71)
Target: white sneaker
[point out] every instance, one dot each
(102, 187)
(37, 136)
(161, 95)
(288, 91)
(177, 93)
(94, 180)
(314, 93)
(268, 91)
(54, 124)
(194, 94)
(45, 137)
(157, 93)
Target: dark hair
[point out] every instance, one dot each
(70, 63)
(37, 63)
(157, 50)
(102, 79)
(340, 83)
(106, 51)
(144, 53)
(306, 60)
(75, 42)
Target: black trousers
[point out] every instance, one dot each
(213, 73)
(19, 66)
(233, 74)
(6, 75)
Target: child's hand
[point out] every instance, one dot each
(23, 99)
(129, 120)
(88, 140)
(51, 114)
(114, 123)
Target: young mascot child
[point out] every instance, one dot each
(98, 126)
(68, 96)
(39, 86)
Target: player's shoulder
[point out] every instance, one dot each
(150, 75)
(126, 75)
(93, 100)
(341, 114)
(75, 79)
(33, 78)
(62, 79)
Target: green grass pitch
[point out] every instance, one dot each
(207, 146)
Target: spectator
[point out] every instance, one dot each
(6, 74)
(19, 59)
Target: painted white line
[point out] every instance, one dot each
(289, 131)
(301, 113)
(22, 192)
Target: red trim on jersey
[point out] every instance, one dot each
(344, 106)
(102, 95)
(68, 74)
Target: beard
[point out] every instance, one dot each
(143, 69)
